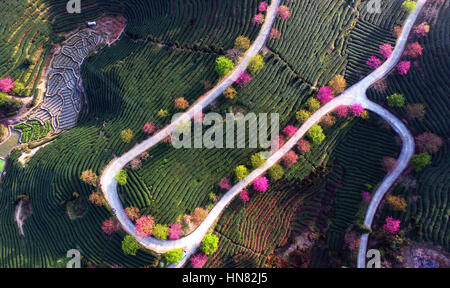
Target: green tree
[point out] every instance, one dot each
(174, 255)
(242, 43)
(129, 245)
(420, 161)
(223, 66)
(126, 135)
(302, 115)
(312, 104)
(209, 244)
(121, 177)
(241, 172)
(396, 100)
(256, 64)
(276, 172)
(160, 231)
(19, 89)
(257, 160)
(315, 134)
(409, 6)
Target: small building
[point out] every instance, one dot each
(91, 23)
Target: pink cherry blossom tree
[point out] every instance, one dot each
(174, 231)
(422, 29)
(262, 6)
(258, 19)
(325, 95)
(109, 226)
(283, 12)
(373, 62)
(289, 159)
(243, 195)
(303, 146)
(149, 127)
(261, 184)
(403, 67)
(414, 50)
(243, 79)
(366, 197)
(7, 84)
(199, 260)
(341, 111)
(392, 225)
(144, 225)
(357, 109)
(274, 34)
(290, 130)
(225, 183)
(385, 50)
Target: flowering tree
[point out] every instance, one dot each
(338, 84)
(289, 159)
(174, 231)
(373, 62)
(7, 84)
(389, 164)
(275, 34)
(97, 199)
(261, 184)
(403, 67)
(290, 130)
(357, 109)
(89, 177)
(325, 95)
(428, 142)
(199, 215)
(283, 12)
(385, 50)
(225, 183)
(422, 29)
(242, 42)
(243, 79)
(397, 203)
(341, 111)
(199, 260)
(181, 103)
(109, 227)
(144, 225)
(391, 225)
(258, 19)
(414, 50)
(352, 241)
(230, 93)
(327, 121)
(366, 197)
(149, 127)
(132, 213)
(415, 111)
(135, 164)
(303, 146)
(262, 6)
(243, 195)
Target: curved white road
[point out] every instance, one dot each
(353, 95)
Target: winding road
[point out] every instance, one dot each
(353, 95)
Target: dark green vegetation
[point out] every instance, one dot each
(427, 215)
(128, 83)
